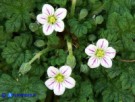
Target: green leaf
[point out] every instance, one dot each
(17, 50)
(37, 70)
(81, 93)
(53, 40)
(21, 85)
(4, 37)
(33, 27)
(86, 92)
(59, 58)
(115, 70)
(84, 68)
(133, 89)
(119, 6)
(59, 2)
(17, 13)
(78, 28)
(113, 92)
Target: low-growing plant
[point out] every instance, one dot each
(67, 50)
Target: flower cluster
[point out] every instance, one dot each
(52, 20)
(59, 79)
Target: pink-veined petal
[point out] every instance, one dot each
(48, 9)
(90, 50)
(110, 52)
(59, 89)
(59, 26)
(48, 29)
(41, 18)
(50, 83)
(61, 13)
(65, 70)
(93, 62)
(52, 71)
(102, 43)
(69, 83)
(106, 62)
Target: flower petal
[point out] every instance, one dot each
(102, 43)
(66, 70)
(52, 71)
(48, 29)
(61, 13)
(90, 50)
(106, 62)
(59, 89)
(69, 83)
(41, 18)
(50, 83)
(110, 52)
(93, 62)
(59, 26)
(48, 9)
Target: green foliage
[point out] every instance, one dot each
(78, 28)
(82, 93)
(22, 85)
(17, 51)
(53, 40)
(17, 13)
(4, 37)
(59, 58)
(22, 38)
(59, 2)
(84, 68)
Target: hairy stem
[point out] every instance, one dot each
(69, 45)
(123, 60)
(73, 7)
(37, 56)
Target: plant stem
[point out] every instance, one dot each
(56, 99)
(69, 45)
(123, 60)
(37, 56)
(49, 97)
(73, 7)
(98, 10)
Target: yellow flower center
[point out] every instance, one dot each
(52, 19)
(59, 78)
(100, 53)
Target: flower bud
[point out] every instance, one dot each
(83, 13)
(25, 67)
(99, 19)
(33, 27)
(71, 61)
(39, 43)
(92, 37)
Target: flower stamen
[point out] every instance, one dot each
(100, 53)
(52, 19)
(59, 77)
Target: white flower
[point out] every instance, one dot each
(52, 20)
(100, 54)
(59, 79)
